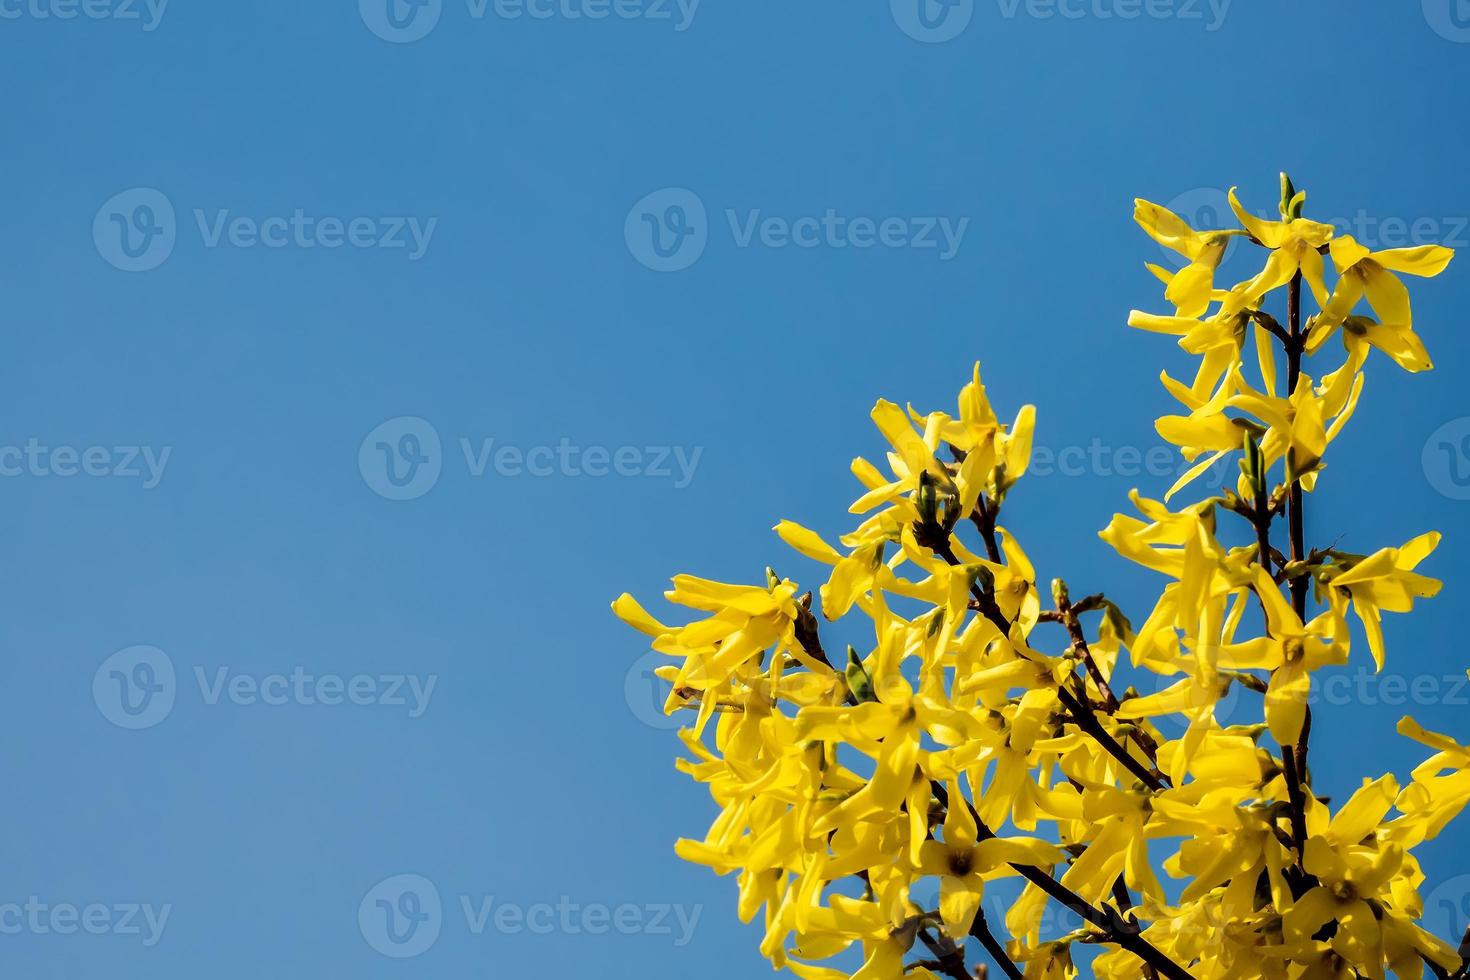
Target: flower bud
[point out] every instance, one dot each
(858, 680)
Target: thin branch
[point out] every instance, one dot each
(1125, 904)
(1082, 713)
(1113, 927)
(1079, 643)
(1464, 951)
(806, 631)
(981, 931)
(983, 518)
(949, 961)
(1269, 322)
(1296, 525)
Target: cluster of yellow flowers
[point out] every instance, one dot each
(957, 750)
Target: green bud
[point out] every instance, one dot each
(858, 680)
(1253, 463)
(927, 499)
(1115, 619)
(1288, 195)
(1059, 593)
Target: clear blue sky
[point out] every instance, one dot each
(332, 226)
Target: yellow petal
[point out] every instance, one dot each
(1286, 703)
(807, 542)
(1423, 260)
(629, 611)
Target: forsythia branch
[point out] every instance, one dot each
(951, 750)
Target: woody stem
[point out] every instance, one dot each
(1080, 711)
(1113, 926)
(980, 929)
(1296, 768)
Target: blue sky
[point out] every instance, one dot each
(614, 294)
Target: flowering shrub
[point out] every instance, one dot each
(961, 748)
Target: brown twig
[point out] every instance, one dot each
(1125, 904)
(806, 631)
(1269, 322)
(1296, 526)
(937, 539)
(1079, 643)
(1112, 926)
(983, 518)
(1464, 953)
(949, 961)
(981, 931)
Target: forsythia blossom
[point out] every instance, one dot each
(871, 797)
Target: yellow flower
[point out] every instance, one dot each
(1386, 581)
(962, 861)
(1440, 790)
(1363, 272)
(1295, 246)
(847, 789)
(744, 622)
(1190, 288)
(1216, 341)
(1348, 877)
(1291, 653)
(1398, 341)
